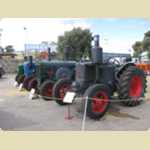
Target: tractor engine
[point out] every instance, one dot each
(88, 73)
(84, 76)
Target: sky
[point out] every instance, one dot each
(116, 35)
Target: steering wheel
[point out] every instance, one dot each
(112, 60)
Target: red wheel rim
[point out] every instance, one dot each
(48, 90)
(99, 102)
(63, 89)
(136, 86)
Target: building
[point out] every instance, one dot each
(41, 47)
(144, 57)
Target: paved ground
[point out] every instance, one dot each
(17, 112)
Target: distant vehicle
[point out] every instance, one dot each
(2, 72)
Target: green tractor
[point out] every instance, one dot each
(25, 71)
(19, 78)
(48, 72)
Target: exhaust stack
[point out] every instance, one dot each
(66, 52)
(97, 51)
(49, 53)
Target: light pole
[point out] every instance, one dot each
(25, 41)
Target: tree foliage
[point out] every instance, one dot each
(1, 49)
(78, 41)
(146, 41)
(9, 49)
(141, 46)
(138, 48)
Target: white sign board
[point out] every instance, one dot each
(15, 84)
(31, 94)
(69, 97)
(20, 86)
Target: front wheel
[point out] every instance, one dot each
(60, 89)
(98, 100)
(33, 84)
(27, 81)
(46, 90)
(20, 79)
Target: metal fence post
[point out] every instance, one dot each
(84, 115)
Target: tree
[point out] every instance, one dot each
(77, 41)
(9, 49)
(146, 41)
(1, 49)
(144, 45)
(138, 48)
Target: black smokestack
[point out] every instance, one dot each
(31, 59)
(66, 52)
(97, 51)
(96, 41)
(25, 58)
(49, 53)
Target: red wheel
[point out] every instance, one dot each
(136, 86)
(132, 86)
(46, 90)
(60, 89)
(98, 100)
(63, 90)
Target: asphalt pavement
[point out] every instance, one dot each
(19, 113)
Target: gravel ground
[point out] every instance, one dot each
(17, 112)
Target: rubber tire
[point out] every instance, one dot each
(44, 87)
(56, 88)
(124, 85)
(21, 79)
(90, 93)
(33, 84)
(26, 82)
(16, 78)
(62, 73)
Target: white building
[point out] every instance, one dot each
(144, 57)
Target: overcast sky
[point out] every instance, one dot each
(117, 35)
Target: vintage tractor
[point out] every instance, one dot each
(29, 71)
(19, 78)
(98, 81)
(50, 71)
(29, 68)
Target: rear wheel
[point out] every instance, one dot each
(33, 84)
(132, 86)
(98, 100)
(46, 90)
(26, 82)
(21, 79)
(60, 89)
